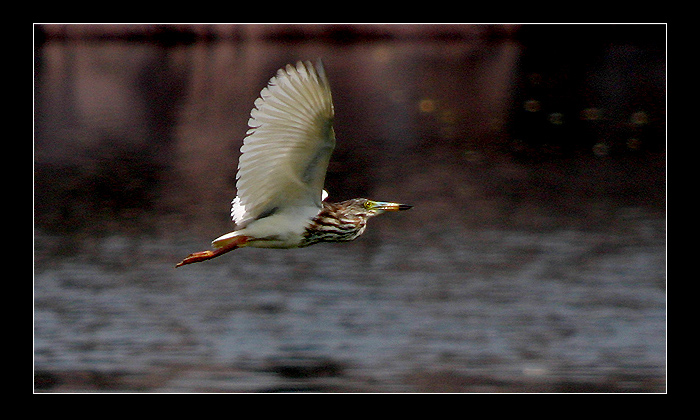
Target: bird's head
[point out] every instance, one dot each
(346, 220)
(364, 208)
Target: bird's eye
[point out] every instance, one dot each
(367, 205)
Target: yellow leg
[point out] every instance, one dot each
(207, 255)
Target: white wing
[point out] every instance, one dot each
(285, 154)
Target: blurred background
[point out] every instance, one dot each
(533, 260)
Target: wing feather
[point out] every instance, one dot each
(285, 153)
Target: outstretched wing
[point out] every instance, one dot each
(285, 153)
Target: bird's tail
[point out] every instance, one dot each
(224, 240)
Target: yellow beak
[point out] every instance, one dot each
(382, 205)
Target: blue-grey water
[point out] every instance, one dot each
(524, 265)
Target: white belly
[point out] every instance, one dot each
(280, 230)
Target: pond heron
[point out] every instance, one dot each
(282, 168)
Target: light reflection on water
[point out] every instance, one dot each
(510, 270)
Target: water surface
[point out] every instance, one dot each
(516, 269)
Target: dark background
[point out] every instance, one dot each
(533, 260)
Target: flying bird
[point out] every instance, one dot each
(280, 201)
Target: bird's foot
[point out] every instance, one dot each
(207, 255)
(197, 257)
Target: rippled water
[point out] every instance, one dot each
(528, 272)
